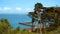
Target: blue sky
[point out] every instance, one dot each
(23, 6)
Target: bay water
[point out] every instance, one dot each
(15, 19)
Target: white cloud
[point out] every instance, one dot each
(27, 9)
(18, 9)
(0, 9)
(6, 8)
(14, 10)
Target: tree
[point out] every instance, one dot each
(35, 15)
(4, 25)
(49, 15)
(17, 30)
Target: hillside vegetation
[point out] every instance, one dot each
(6, 28)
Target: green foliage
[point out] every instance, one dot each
(31, 14)
(49, 14)
(4, 25)
(38, 5)
(6, 28)
(18, 28)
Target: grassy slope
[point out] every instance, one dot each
(55, 32)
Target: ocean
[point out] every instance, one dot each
(14, 19)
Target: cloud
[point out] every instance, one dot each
(18, 9)
(0, 9)
(27, 9)
(14, 10)
(6, 8)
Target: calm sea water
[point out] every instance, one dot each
(14, 19)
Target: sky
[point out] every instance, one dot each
(23, 6)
